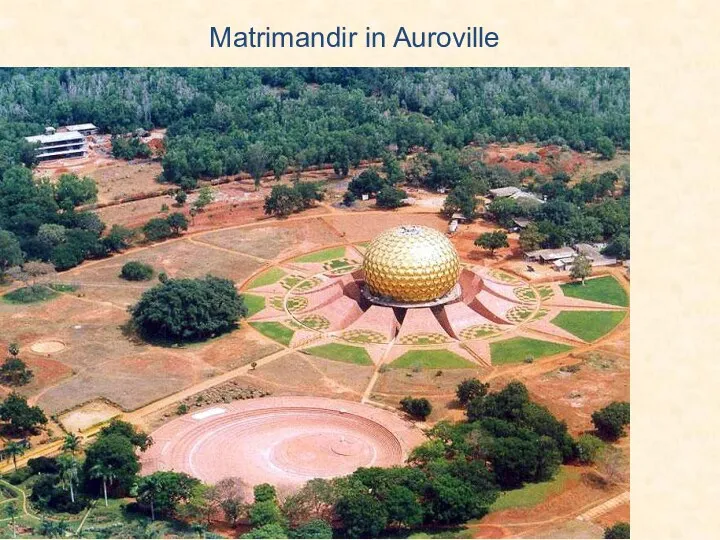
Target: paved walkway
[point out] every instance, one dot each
(605, 507)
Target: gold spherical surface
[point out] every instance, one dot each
(410, 264)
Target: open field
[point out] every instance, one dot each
(342, 353)
(431, 359)
(604, 289)
(588, 325)
(518, 349)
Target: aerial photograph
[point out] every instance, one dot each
(315, 302)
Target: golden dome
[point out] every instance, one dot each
(410, 264)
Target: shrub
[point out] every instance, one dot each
(620, 530)
(43, 465)
(610, 421)
(469, 389)
(417, 407)
(136, 271)
(157, 229)
(587, 447)
(18, 477)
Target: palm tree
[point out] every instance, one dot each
(11, 511)
(68, 472)
(71, 443)
(106, 472)
(14, 449)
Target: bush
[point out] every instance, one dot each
(469, 389)
(29, 295)
(157, 229)
(43, 465)
(620, 530)
(136, 271)
(188, 309)
(610, 421)
(587, 447)
(417, 407)
(18, 477)
(390, 197)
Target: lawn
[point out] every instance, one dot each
(517, 349)
(533, 494)
(322, 255)
(588, 325)
(268, 277)
(275, 331)
(604, 289)
(254, 303)
(30, 295)
(343, 353)
(431, 359)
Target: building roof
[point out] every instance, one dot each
(55, 137)
(526, 195)
(504, 191)
(552, 254)
(78, 127)
(521, 222)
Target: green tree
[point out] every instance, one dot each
(581, 268)
(137, 438)
(181, 197)
(492, 241)
(118, 238)
(10, 252)
(106, 474)
(72, 191)
(11, 511)
(317, 528)
(587, 448)
(71, 443)
(392, 169)
(461, 199)
(157, 229)
(69, 468)
(531, 238)
(367, 182)
(620, 529)
(136, 271)
(390, 197)
(14, 372)
(188, 309)
(15, 450)
(270, 531)
(22, 418)
(610, 421)
(164, 491)
(618, 247)
(256, 161)
(282, 201)
(178, 222)
(362, 515)
(205, 197)
(418, 407)
(115, 452)
(605, 147)
(309, 192)
(470, 389)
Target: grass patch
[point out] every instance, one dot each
(254, 303)
(30, 295)
(603, 289)
(588, 325)
(343, 353)
(275, 331)
(431, 359)
(63, 287)
(322, 255)
(533, 494)
(268, 277)
(510, 351)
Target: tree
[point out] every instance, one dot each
(492, 240)
(610, 421)
(309, 193)
(22, 417)
(15, 450)
(205, 197)
(317, 528)
(392, 169)
(514, 461)
(470, 389)
(10, 252)
(367, 182)
(11, 511)
(163, 491)
(68, 466)
(390, 197)
(113, 452)
(271, 530)
(229, 495)
(256, 161)
(104, 472)
(618, 247)
(14, 372)
(605, 147)
(118, 238)
(581, 268)
(71, 443)
(587, 448)
(137, 438)
(503, 210)
(157, 229)
(621, 529)
(181, 197)
(136, 271)
(417, 407)
(178, 222)
(279, 166)
(282, 201)
(188, 309)
(461, 199)
(362, 515)
(71, 191)
(531, 238)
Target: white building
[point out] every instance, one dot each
(59, 145)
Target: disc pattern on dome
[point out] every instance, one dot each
(411, 264)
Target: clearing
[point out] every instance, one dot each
(517, 349)
(588, 325)
(604, 289)
(343, 353)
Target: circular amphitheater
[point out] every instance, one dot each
(284, 441)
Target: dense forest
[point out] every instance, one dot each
(227, 120)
